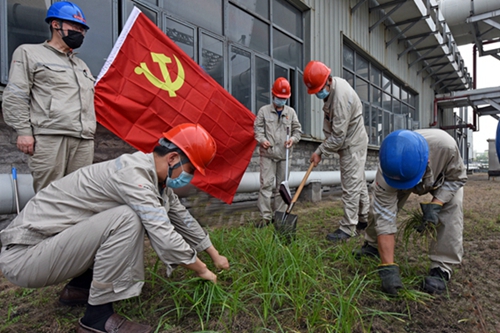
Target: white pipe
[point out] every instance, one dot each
(8, 194)
(249, 183)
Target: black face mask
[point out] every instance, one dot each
(74, 39)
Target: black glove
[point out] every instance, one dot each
(430, 211)
(391, 281)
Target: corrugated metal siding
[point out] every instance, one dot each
(330, 19)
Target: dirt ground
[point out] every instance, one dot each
(472, 304)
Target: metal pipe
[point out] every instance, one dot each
(8, 193)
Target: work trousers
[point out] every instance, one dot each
(355, 197)
(447, 249)
(56, 156)
(272, 173)
(111, 243)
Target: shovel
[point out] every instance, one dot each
(285, 223)
(284, 188)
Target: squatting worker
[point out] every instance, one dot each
(270, 127)
(49, 99)
(420, 162)
(345, 134)
(90, 226)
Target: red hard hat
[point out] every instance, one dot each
(281, 88)
(198, 145)
(315, 76)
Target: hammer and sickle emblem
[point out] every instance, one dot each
(167, 84)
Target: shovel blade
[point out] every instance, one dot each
(285, 226)
(285, 193)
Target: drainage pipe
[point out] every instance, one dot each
(249, 183)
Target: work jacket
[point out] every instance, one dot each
(444, 176)
(130, 180)
(49, 93)
(343, 124)
(271, 127)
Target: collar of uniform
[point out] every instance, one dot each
(50, 47)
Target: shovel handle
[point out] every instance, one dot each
(301, 186)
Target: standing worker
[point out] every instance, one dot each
(49, 99)
(345, 134)
(90, 226)
(270, 128)
(420, 162)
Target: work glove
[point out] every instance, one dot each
(391, 281)
(430, 211)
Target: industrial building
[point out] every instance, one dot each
(401, 56)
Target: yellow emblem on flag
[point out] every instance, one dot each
(167, 84)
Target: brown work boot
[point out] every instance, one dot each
(73, 296)
(116, 324)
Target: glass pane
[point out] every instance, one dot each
(26, 23)
(361, 66)
(280, 72)
(240, 76)
(395, 90)
(260, 7)
(396, 106)
(303, 112)
(387, 127)
(262, 85)
(370, 131)
(412, 100)
(287, 17)
(129, 5)
(286, 49)
(379, 124)
(386, 102)
(375, 75)
(362, 89)
(206, 14)
(399, 121)
(377, 96)
(212, 57)
(386, 84)
(404, 109)
(404, 96)
(247, 30)
(349, 77)
(348, 58)
(182, 35)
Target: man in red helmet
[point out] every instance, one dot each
(49, 100)
(345, 134)
(90, 225)
(271, 126)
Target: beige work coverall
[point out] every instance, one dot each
(96, 218)
(444, 178)
(345, 134)
(50, 96)
(271, 127)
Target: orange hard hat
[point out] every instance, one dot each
(198, 145)
(281, 88)
(316, 74)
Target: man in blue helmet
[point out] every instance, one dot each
(420, 162)
(49, 99)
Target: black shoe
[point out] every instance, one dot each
(366, 251)
(436, 282)
(262, 223)
(337, 235)
(361, 225)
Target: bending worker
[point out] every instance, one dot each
(345, 134)
(420, 162)
(49, 99)
(270, 129)
(90, 226)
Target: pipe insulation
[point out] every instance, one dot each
(250, 182)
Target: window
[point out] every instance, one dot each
(387, 104)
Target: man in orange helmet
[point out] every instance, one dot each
(271, 126)
(345, 134)
(90, 225)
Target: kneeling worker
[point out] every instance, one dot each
(90, 226)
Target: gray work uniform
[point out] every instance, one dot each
(50, 96)
(271, 127)
(444, 178)
(345, 134)
(96, 218)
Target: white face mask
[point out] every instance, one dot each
(323, 93)
(182, 180)
(279, 102)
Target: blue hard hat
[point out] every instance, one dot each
(403, 158)
(66, 11)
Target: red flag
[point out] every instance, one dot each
(149, 85)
